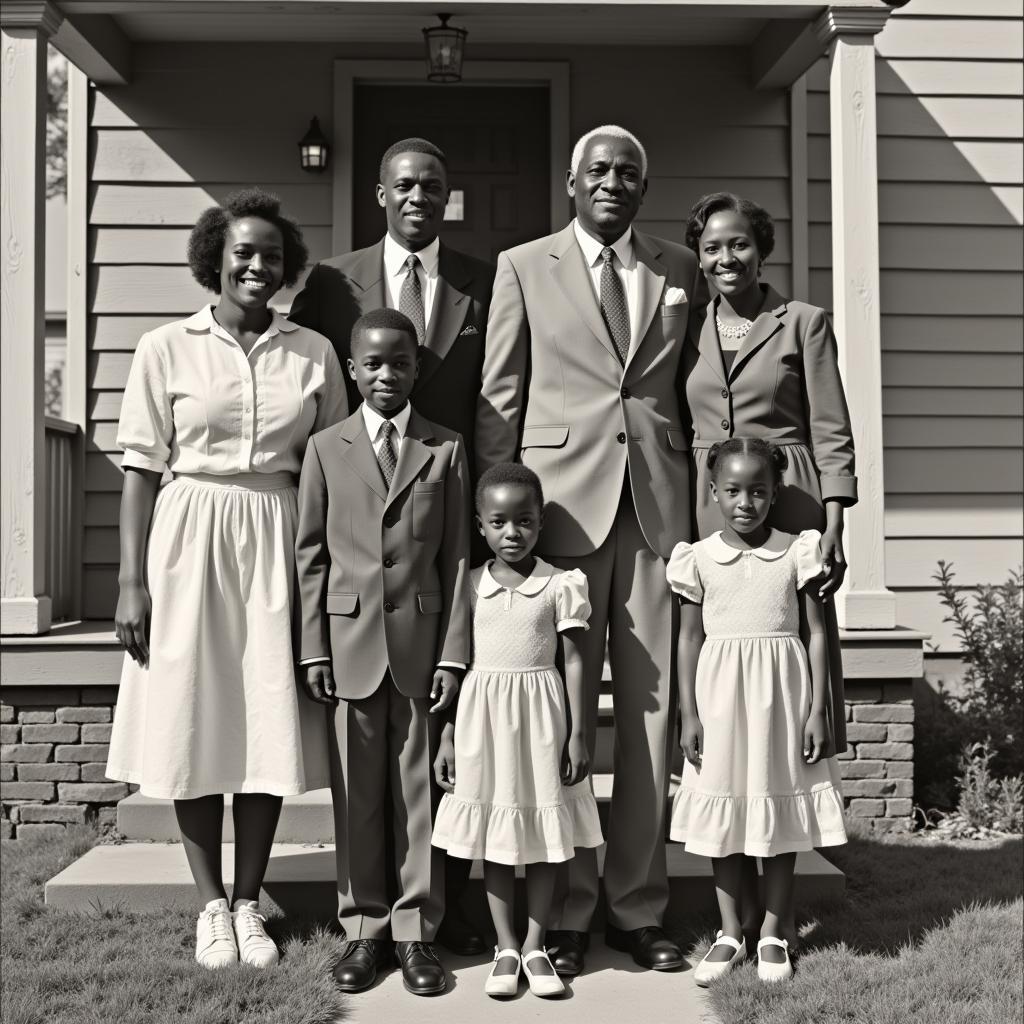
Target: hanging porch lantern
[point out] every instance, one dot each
(314, 148)
(445, 49)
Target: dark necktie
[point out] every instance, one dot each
(386, 456)
(613, 305)
(410, 299)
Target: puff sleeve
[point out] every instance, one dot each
(808, 557)
(145, 430)
(682, 574)
(572, 601)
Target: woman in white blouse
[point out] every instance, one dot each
(208, 704)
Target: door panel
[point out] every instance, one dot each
(496, 142)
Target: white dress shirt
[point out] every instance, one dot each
(374, 422)
(395, 271)
(624, 264)
(196, 403)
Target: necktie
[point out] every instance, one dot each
(613, 305)
(386, 456)
(410, 299)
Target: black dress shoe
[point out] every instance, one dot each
(649, 947)
(459, 936)
(359, 963)
(422, 971)
(565, 950)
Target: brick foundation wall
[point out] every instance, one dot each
(878, 767)
(53, 757)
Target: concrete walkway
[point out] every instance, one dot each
(613, 990)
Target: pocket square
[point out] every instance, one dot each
(466, 331)
(674, 296)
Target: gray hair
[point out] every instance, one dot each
(615, 132)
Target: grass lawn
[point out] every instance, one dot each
(930, 933)
(109, 966)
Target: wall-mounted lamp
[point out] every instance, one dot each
(445, 49)
(314, 148)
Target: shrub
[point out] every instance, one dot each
(990, 628)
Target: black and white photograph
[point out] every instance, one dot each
(512, 511)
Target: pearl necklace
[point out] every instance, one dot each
(728, 331)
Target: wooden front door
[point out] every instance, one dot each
(496, 142)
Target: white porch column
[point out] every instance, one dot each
(24, 29)
(864, 602)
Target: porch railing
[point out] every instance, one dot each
(63, 517)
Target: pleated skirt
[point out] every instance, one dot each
(218, 709)
(509, 804)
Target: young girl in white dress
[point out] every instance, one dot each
(523, 795)
(756, 782)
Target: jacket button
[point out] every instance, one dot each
(725, 392)
(388, 606)
(624, 392)
(725, 424)
(389, 563)
(620, 437)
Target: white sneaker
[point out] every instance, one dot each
(255, 946)
(215, 939)
(708, 970)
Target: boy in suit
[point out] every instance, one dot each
(381, 552)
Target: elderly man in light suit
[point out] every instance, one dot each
(581, 384)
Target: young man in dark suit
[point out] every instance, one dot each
(447, 295)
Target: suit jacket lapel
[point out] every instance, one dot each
(768, 322)
(571, 273)
(651, 274)
(705, 336)
(448, 312)
(413, 456)
(358, 453)
(368, 273)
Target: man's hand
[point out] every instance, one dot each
(444, 763)
(318, 682)
(833, 560)
(444, 689)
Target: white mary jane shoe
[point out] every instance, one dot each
(503, 985)
(708, 970)
(774, 972)
(544, 985)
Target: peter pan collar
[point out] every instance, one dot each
(530, 587)
(774, 547)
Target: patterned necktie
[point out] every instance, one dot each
(410, 299)
(386, 456)
(613, 305)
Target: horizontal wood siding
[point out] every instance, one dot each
(951, 204)
(167, 146)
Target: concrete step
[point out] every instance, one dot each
(304, 819)
(301, 880)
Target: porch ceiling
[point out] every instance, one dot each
(587, 22)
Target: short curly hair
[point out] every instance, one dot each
(706, 207)
(509, 473)
(376, 319)
(206, 242)
(413, 145)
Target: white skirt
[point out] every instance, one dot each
(509, 804)
(218, 710)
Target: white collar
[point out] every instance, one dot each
(373, 421)
(203, 320)
(592, 247)
(395, 256)
(531, 586)
(774, 547)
